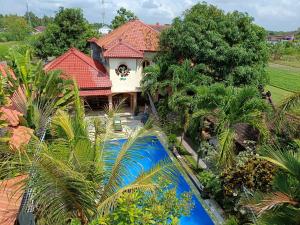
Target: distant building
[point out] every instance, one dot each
(281, 38)
(104, 30)
(39, 29)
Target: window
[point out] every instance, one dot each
(145, 63)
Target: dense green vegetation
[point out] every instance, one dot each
(284, 77)
(4, 48)
(69, 29)
(214, 98)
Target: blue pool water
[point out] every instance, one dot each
(154, 152)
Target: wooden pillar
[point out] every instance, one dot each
(134, 102)
(110, 102)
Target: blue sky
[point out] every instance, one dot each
(271, 14)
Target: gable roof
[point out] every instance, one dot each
(87, 72)
(123, 50)
(135, 33)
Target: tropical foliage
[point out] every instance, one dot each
(35, 93)
(141, 208)
(71, 176)
(281, 205)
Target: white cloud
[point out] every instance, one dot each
(273, 15)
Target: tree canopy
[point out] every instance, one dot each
(69, 29)
(123, 16)
(228, 46)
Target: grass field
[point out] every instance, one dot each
(284, 80)
(4, 47)
(284, 77)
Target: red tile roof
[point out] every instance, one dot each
(94, 92)
(87, 72)
(159, 27)
(135, 33)
(11, 192)
(123, 50)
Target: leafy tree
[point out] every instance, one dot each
(122, 17)
(281, 205)
(37, 21)
(15, 28)
(229, 46)
(77, 177)
(69, 29)
(164, 207)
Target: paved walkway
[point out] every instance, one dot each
(201, 164)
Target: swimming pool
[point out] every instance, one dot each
(153, 149)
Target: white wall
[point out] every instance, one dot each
(132, 81)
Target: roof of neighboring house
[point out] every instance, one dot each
(11, 193)
(159, 27)
(87, 72)
(40, 28)
(135, 33)
(123, 50)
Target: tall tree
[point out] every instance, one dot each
(229, 46)
(123, 16)
(69, 29)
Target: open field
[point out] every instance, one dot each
(5, 46)
(284, 80)
(284, 77)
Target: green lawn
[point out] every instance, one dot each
(284, 77)
(5, 46)
(278, 94)
(284, 80)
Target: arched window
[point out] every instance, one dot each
(145, 63)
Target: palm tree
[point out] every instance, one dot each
(37, 94)
(282, 205)
(284, 119)
(231, 106)
(75, 177)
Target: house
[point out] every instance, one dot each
(288, 37)
(115, 68)
(39, 29)
(104, 30)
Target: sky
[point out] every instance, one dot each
(277, 15)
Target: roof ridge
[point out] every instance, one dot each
(57, 60)
(147, 25)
